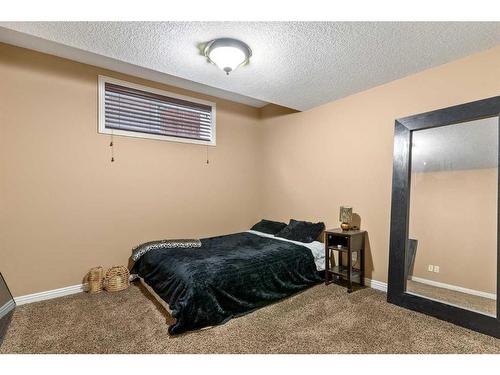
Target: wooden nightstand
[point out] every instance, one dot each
(349, 242)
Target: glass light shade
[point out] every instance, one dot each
(227, 58)
(228, 54)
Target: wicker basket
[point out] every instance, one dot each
(116, 279)
(95, 279)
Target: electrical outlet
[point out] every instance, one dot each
(430, 268)
(436, 269)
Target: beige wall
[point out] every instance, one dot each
(453, 215)
(341, 153)
(65, 207)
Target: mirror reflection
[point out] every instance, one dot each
(452, 247)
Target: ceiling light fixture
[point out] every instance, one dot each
(228, 54)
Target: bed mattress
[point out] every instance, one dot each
(227, 276)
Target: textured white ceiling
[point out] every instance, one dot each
(467, 145)
(295, 64)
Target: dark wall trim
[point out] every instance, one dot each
(400, 207)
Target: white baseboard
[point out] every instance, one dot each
(49, 294)
(455, 288)
(73, 289)
(382, 286)
(379, 285)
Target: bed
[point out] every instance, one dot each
(228, 276)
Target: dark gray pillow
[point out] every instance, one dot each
(302, 231)
(268, 226)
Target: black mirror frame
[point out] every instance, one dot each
(5, 319)
(400, 207)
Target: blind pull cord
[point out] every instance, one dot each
(111, 144)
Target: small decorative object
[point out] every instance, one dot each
(116, 279)
(345, 218)
(95, 279)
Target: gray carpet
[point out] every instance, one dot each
(318, 320)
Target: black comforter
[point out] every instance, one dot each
(226, 277)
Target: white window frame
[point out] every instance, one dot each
(102, 80)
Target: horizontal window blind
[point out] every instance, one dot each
(132, 110)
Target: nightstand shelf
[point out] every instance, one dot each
(344, 272)
(346, 243)
(336, 248)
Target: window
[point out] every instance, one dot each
(139, 111)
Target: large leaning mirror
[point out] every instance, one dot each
(444, 253)
(453, 214)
